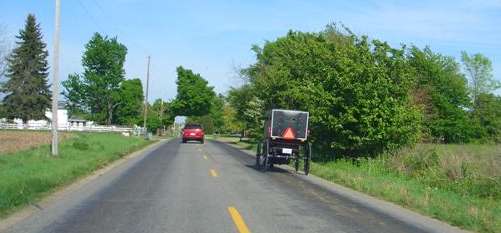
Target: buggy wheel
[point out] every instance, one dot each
(307, 158)
(258, 156)
(296, 164)
(265, 160)
(264, 164)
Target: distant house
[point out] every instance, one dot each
(78, 122)
(62, 115)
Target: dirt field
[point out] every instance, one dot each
(16, 140)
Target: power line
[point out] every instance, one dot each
(92, 18)
(115, 28)
(146, 98)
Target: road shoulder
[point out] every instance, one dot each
(67, 190)
(384, 207)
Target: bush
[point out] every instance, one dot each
(448, 168)
(356, 90)
(80, 145)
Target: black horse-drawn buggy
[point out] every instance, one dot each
(285, 140)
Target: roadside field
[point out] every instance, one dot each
(17, 140)
(458, 184)
(27, 175)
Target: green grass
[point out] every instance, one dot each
(458, 184)
(26, 176)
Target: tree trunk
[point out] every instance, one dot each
(110, 113)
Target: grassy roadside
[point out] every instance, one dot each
(458, 184)
(28, 175)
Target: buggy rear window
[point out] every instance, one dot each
(295, 120)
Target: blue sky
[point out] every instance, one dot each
(214, 37)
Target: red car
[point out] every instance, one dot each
(193, 132)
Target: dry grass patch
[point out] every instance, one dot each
(17, 140)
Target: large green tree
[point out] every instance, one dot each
(249, 109)
(159, 115)
(131, 103)
(194, 95)
(441, 91)
(356, 90)
(97, 91)
(479, 70)
(27, 91)
(213, 121)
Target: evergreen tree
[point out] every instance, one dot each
(27, 92)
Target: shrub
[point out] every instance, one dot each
(80, 145)
(356, 90)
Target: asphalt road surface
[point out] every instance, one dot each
(212, 187)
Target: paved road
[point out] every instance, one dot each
(193, 188)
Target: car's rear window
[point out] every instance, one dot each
(192, 126)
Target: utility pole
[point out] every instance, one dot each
(162, 116)
(55, 79)
(146, 98)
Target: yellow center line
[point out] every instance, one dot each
(213, 173)
(205, 157)
(238, 220)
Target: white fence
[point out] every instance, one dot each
(92, 128)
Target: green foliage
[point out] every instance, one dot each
(216, 113)
(97, 91)
(2, 111)
(158, 116)
(27, 91)
(468, 170)
(442, 93)
(81, 145)
(479, 69)
(194, 96)
(357, 91)
(26, 176)
(130, 108)
(213, 122)
(455, 202)
(75, 93)
(205, 121)
(488, 113)
(364, 96)
(231, 123)
(249, 109)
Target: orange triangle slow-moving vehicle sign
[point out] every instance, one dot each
(288, 134)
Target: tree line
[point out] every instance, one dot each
(101, 93)
(365, 97)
